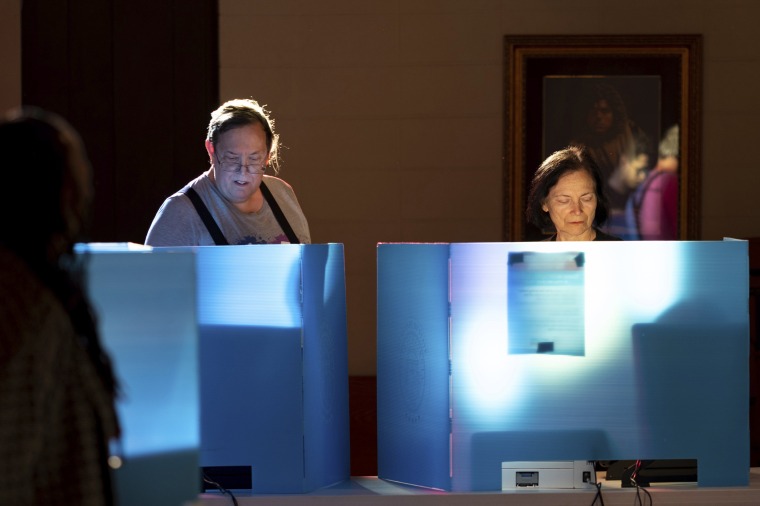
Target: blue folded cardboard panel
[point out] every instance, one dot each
(145, 307)
(232, 357)
(483, 359)
(274, 365)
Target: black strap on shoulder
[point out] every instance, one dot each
(281, 219)
(205, 215)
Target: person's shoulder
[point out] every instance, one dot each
(274, 181)
(177, 209)
(201, 184)
(278, 186)
(26, 306)
(662, 176)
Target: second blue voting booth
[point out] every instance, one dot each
(495, 353)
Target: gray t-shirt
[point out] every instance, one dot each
(177, 223)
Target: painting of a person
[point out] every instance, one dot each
(630, 172)
(653, 209)
(607, 128)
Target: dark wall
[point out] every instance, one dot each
(138, 79)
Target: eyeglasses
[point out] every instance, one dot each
(253, 169)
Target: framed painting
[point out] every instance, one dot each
(634, 101)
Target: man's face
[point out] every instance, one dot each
(245, 145)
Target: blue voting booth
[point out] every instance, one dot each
(274, 366)
(495, 353)
(145, 304)
(233, 360)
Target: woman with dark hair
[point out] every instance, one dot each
(566, 196)
(57, 388)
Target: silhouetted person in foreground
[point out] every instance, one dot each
(57, 388)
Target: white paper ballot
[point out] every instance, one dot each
(545, 303)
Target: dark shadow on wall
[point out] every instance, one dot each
(138, 79)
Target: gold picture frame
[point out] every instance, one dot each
(673, 62)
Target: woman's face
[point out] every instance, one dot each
(571, 205)
(245, 145)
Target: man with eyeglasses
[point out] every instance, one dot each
(234, 202)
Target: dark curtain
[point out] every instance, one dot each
(138, 79)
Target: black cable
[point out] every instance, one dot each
(598, 495)
(598, 485)
(638, 496)
(221, 489)
(639, 488)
